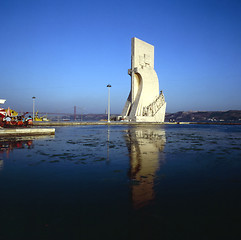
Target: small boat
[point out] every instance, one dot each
(40, 119)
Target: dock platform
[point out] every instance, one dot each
(6, 132)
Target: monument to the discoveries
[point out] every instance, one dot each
(145, 103)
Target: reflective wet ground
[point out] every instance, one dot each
(122, 182)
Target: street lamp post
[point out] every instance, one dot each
(109, 86)
(33, 106)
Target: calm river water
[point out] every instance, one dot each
(122, 182)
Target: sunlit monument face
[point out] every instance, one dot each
(145, 103)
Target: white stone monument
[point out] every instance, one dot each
(145, 103)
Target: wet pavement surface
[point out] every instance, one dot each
(122, 182)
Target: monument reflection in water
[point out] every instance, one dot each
(145, 146)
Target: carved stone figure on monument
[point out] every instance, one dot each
(144, 103)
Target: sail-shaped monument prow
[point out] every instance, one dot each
(145, 103)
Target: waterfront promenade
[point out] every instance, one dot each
(60, 123)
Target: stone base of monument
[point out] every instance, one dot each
(26, 132)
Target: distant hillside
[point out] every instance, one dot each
(206, 116)
(190, 116)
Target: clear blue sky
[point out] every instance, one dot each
(65, 52)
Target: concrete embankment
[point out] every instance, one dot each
(53, 123)
(91, 123)
(6, 132)
(101, 123)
